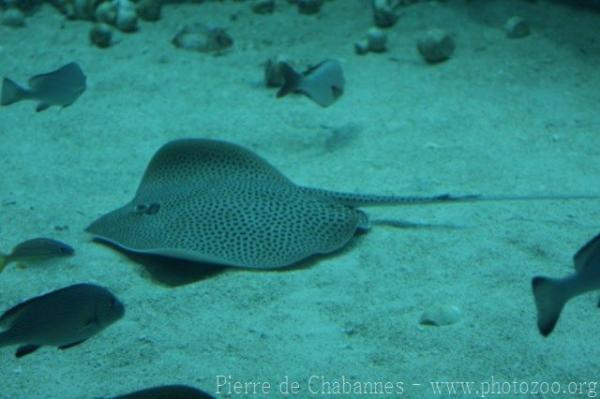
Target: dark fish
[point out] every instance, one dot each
(323, 83)
(61, 87)
(551, 294)
(36, 248)
(167, 392)
(62, 318)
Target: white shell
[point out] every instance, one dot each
(441, 315)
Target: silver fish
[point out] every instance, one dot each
(62, 318)
(323, 83)
(36, 248)
(551, 294)
(61, 87)
(167, 392)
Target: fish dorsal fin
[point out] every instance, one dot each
(65, 72)
(590, 251)
(11, 314)
(188, 163)
(38, 80)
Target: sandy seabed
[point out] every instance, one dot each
(501, 117)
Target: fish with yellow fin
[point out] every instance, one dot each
(63, 318)
(36, 249)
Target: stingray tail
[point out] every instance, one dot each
(291, 79)
(361, 199)
(12, 92)
(550, 295)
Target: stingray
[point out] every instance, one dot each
(216, 202)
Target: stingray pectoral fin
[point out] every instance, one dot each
(405, 224)
(26, 350)
(364, 223)
(189, 256)
(42, 106)
(170, 253)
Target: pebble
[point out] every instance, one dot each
(13, 17)
(127, 19)
(149, 10)
(101, 35)
(361, 47)
(440, 315)
(435, 46)
(106, 12)
(263, 6)
(273, 75)
(197, 37)
(377, 40)
(516, 28)
(383, 13)
(309, 6)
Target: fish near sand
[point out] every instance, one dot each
(60, 87)
(167, 392)
(36, 248)
(551, 294)
(323, 83)
(63, 318)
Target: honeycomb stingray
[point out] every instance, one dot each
(216, 202)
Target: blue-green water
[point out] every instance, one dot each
(501, 116)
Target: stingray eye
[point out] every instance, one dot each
(153, 209)
(140, 208)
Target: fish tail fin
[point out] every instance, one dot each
(291, 79)
(12, 92)
(550, 296)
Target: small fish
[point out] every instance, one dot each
(323, 83)
(61, 87)
(551, 294)
(167, 392)
(36, 248)
(62, 318)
